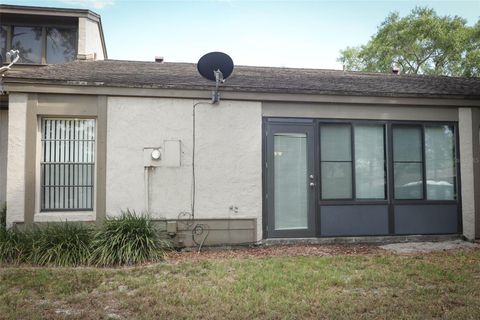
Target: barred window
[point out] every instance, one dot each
(67, 164)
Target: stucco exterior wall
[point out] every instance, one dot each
(228, 153)
(16, 157)
(228, 157)
(89, 39)
(345, 111)
(469, 123)
(3, 155)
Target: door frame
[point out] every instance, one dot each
(296, 126)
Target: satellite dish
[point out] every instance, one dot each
(215, 66)
(213, 62)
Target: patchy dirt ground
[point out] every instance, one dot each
(320, 250)
(425, 247)
(281, 250)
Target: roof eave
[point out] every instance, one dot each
(52, 11)
(237, 93)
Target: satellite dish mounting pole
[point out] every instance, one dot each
(215, 66)
(218, 79)
(15, 54)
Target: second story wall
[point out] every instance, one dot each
(50, 35)
(90, 38)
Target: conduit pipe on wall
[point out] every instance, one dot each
(146, 181)
(193, 191)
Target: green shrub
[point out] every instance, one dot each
(15, 246)
(61, 244)
(128, 239)
(3, 216)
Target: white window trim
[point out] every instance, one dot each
(62, 216)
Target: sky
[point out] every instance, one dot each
(301, 34)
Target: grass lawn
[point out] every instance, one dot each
(371, 286)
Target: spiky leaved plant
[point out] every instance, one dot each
(15, 246)
(3, 216)
(61, 244)
(127, 239)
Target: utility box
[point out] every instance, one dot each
(167, 156)
(171, 227)
(152, 156)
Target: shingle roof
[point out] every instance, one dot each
(117, 73)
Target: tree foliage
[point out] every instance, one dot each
(420, 43)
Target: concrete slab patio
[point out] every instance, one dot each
(425, 247)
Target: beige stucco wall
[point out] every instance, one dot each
(345, 111)
(16, 157)
(228, 152)
(469, 122)
(227, 164)
(89, 39)
(3, 155)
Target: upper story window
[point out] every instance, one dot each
(28, 40)
(61, 45)
(39, 44)
(3, 41)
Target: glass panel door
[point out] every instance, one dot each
(291, 181)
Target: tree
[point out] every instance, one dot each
(420, 43)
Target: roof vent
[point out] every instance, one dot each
(159, 59)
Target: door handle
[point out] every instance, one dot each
(312, 184)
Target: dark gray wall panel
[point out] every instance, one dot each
(357, 220)
(426, 219)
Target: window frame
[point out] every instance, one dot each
(10, 25)
(39, 190)
(7, 38)
(388, 165)
(456, 160)
(457, 180)
(353, 199)
(352, 160)
(393, 162)
(385, 159)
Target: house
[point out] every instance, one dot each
(44, 36)
(50, 35)
(286, 153)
